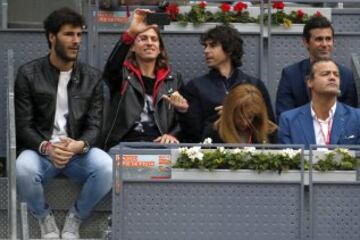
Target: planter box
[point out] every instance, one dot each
(266, 176)
(200, 28)
(238, 175)
(334, 176)
(255, 11)
(247, 27)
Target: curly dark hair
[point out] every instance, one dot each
(316, 22)
(230, 41)
(60, 17)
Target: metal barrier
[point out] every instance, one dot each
(11, 147)
(334, 204)
(195, 208)
(178, 208)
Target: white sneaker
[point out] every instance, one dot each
(71, 227)
(48, 227)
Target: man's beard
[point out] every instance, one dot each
(61, 52)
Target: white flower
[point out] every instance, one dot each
(342, 150)
(289, 152)
(237, 150)
(183, 150)
(221, 149)
(195, 153)
(249, 149)
(207, 141)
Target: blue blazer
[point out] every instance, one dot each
(296, 126)
(292, 91)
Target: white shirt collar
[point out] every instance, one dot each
(331, 112)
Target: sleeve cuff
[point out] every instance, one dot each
(42, 147)
(127, 38)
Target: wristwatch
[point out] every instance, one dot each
(86, 147)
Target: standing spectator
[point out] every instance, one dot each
(318, 38)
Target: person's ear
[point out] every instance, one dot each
(309, 82)
(306, 43)
(52, 39)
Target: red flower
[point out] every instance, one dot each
(240, 6)
(225, 7)
(300, 13)
(202, 4)
(278, 5)
(173, 10)
(317, 14)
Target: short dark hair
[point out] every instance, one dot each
(60, 17)
(230, 41)
(314, 63)
(316, 22)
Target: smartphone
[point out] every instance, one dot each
(160, 19)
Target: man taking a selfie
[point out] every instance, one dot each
(143, 90)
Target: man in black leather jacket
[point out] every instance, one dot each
(144, 97)
(58, 107)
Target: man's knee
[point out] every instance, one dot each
(101, 161)
(27, 163)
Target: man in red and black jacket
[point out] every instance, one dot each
(143, 91)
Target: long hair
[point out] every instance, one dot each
(162, 60)
(242, 101)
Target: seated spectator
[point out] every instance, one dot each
(318, 39)
(58, 108)
(143, 90)
(205, 94)
(324, 120)
(244, 118)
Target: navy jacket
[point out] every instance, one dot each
(292, 90)
(296, 126)
(207, 92)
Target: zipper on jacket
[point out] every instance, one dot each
(115, 118)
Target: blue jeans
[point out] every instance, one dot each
(93, 169)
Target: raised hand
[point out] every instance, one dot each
(138, 23)
(178, 101)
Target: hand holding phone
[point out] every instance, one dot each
(158, 18)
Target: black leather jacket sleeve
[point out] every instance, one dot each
(27, 134)
(114, 66)
(93, 120)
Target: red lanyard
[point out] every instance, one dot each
(328, 136)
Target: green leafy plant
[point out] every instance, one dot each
(250, 158)
(337, 159)
(199, 14)
(226, 14)
(245, 158)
